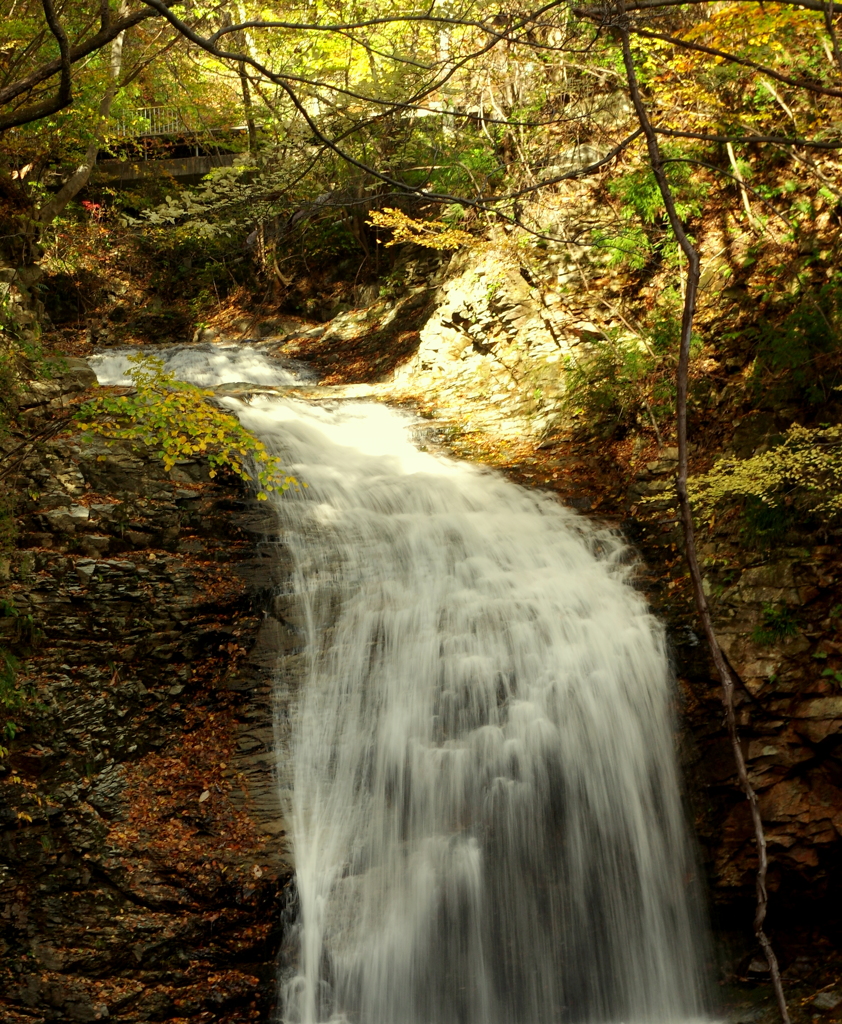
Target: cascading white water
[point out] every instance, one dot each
(205, 365)
(486, 814)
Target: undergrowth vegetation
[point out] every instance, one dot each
(802, 471)
(641, 239)
(626, 380)
(180, 421)
(798, 352)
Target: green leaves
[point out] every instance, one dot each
(641, 231)
(805, 469)
(778, 624)
(180, 421)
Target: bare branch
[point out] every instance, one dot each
(724, 670)
(653, 5)
(80, 177)
(65, 86)
(207, 43)
(428, 18)
(776, 140)
(798, 83)
(579, 172)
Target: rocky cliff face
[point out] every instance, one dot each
(790, 713)
(142, 865)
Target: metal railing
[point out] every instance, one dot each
(133, 124)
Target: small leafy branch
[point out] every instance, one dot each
(431, 234)
(805, 468)
(178, 421)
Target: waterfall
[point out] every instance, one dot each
(205, 365)
(486, 815)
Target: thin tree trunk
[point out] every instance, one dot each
(248, 107)
(79, 178)
(722, 667)
(738, 176)
(829, 15)
(246, 42)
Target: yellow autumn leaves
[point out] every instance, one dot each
(804, 469)
(178, 421)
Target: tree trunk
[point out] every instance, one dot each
(246, 43)
(79, 178)
(248, 107)
(723, 669)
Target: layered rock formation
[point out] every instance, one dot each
(142, 863)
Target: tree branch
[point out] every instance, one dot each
(654, 5)
(723, 668)
(711, 51)
(776, 140)
(208, 44)
(65, 85)
(75, 54)
(80, 177)
(64, 94)
(389, 19)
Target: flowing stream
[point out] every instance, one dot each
(486, 816)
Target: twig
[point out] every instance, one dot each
(8, 463)
(776, 96)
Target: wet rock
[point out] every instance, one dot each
(827, 1002)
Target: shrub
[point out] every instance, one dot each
(178, 421)
(804, 470)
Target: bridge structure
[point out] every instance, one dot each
(147, 122)
(162, 145)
